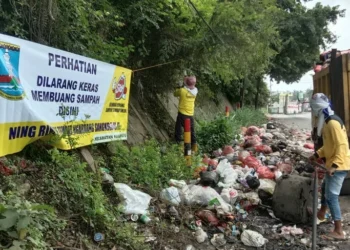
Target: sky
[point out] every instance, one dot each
(339, 29)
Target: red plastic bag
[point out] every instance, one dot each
(208, 217)
(309, 146)
(242, 155)
(263, 149)
(213, 163)
(244, 130)
(252, 162)
(265, 173)
(210, 162)
(228, 150)
(253, 130)
(285, 168)
(251, 141)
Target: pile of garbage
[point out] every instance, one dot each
(232, 192)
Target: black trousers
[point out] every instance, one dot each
(180, 123)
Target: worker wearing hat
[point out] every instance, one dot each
(335, 150)
(187, 93)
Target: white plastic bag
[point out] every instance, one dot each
(267, 185)
(253, 239)
(134, 201)
(253, 197)
(278, 174)
(229, 195)
(199, 195)
(171, 195)
(227, 173)
(176, 183)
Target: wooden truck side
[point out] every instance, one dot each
(334, 82)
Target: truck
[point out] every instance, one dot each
(334, 81)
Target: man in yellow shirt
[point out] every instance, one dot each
(187, 95)
(335, 150)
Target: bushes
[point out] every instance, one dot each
(150, 165)
(26, 225)
(214, 134)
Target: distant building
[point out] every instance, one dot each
(285, 106)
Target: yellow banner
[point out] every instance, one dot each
(69, 100)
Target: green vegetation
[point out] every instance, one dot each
(61, 187)
(214, 134)
(247, 39)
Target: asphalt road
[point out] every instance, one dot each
(301, 121)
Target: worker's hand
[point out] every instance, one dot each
(331, 171)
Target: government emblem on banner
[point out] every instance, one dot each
(10, 85)
(119, 88)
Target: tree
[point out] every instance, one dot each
(302, 32)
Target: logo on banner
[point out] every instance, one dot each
(119, 88)
(10, 84)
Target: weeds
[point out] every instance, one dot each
(219, 132)
(26, 225)
(150, 165)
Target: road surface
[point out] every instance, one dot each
(301, 121)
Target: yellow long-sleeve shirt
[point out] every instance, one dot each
(186, 102)
(335, 146)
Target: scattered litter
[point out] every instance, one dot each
(134, 201)
(208, 217)
(292, 230)
(171, 195)
(262, 168)
(253, 239)
(267, 185)
(306, 242)
(218, 240)
(200, 235)
(98, 237)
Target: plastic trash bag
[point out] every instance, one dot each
(252, 197)
(267, 136)
(263, 149)
(209, 178)
(309, 146)
(252, 162)
(278, 174)
(267, 185)
(227, 173)
(178, 184)
(253, 239)
(171, 196)
(252, 182)
(134, 201)
(251, 141)
(265, 173)
(285, 168)
(229, 195)
(253, 130)
(292, 230)
(199, 195)
(242, 155)
(228, 150)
